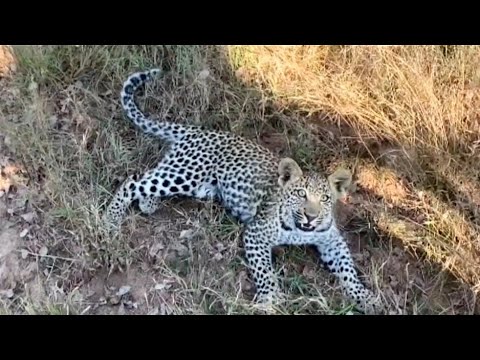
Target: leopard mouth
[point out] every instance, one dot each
(308, 227)
(305, 227)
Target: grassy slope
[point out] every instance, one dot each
(404, 118)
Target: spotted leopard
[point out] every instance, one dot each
(277, 202)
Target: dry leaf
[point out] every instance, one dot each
(24, 233)
(28, 217)
(163, 286)
(186, 234)
(24, 253)
(159, 286)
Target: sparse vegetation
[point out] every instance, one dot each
(405, 118)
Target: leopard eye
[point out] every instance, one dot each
(302, 193)
(324, 198)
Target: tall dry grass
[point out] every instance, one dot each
(423, 101)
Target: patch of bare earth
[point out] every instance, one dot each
(18, 265)
(17, 218)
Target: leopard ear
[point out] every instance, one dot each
(339, 182)
(288, 171)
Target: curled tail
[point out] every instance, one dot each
(163, 129)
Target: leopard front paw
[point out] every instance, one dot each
(266, 298)
(272, 295)
(370, 304)
(266, 301)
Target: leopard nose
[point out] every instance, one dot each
(310, 218)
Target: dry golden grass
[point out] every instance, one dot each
(404, 118)
(424, 102)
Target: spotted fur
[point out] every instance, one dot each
(272, 197)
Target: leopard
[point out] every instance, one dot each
(277, 202)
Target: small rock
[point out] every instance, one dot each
(114, 300)
(43, 251)
(24, 252)
(203, 74)
(7, 141)
(24, 233)
(123, 290)
(130, 305)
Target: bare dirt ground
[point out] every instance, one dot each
(65, 146)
